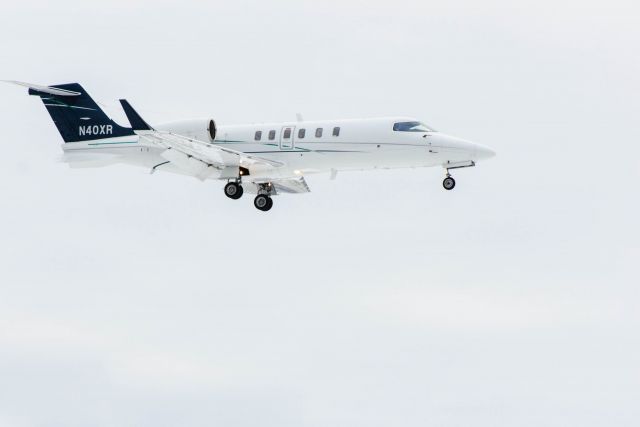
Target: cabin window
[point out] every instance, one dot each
(258, 136)
(287, 133)
(272, 135)
(411, 127)
(319, 133)
(336, 131)
(301, 133)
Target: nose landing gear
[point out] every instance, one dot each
(449, 183)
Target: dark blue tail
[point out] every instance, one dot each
(76, 115)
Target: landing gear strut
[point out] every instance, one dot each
(233, 190)
(263, 200)
(449, 183)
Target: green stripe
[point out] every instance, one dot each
(288, 150)
(113, 143)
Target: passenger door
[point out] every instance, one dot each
(286, 138)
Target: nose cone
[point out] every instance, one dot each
(483, 152)
(461, 149)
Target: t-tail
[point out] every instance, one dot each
(75, 114)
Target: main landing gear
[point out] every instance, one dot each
(263, 200)
(233, 190)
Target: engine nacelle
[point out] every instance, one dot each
(201, 129)
(213, 130)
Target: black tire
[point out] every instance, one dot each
(270, 205)
(449, 183)
(233, 190)
(261, 202)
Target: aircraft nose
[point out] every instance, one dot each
(484, 152)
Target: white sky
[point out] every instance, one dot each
(379, 299)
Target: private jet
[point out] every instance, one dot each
(264, 160)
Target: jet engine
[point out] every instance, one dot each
(212, 129)
(201, 129)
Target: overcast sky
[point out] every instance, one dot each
(129, 299)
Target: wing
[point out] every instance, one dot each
(291, 185)
(202, 159)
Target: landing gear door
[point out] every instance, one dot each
(286, 138)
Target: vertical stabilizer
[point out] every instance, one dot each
(75, 113)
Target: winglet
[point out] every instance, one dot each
(137, 122)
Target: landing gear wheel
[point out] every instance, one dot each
(263, 202)
(449, 183)
(233, 190)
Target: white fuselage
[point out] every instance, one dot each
(356, 144)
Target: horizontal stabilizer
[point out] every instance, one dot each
(45, 89)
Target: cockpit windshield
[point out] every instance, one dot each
(411, 127)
